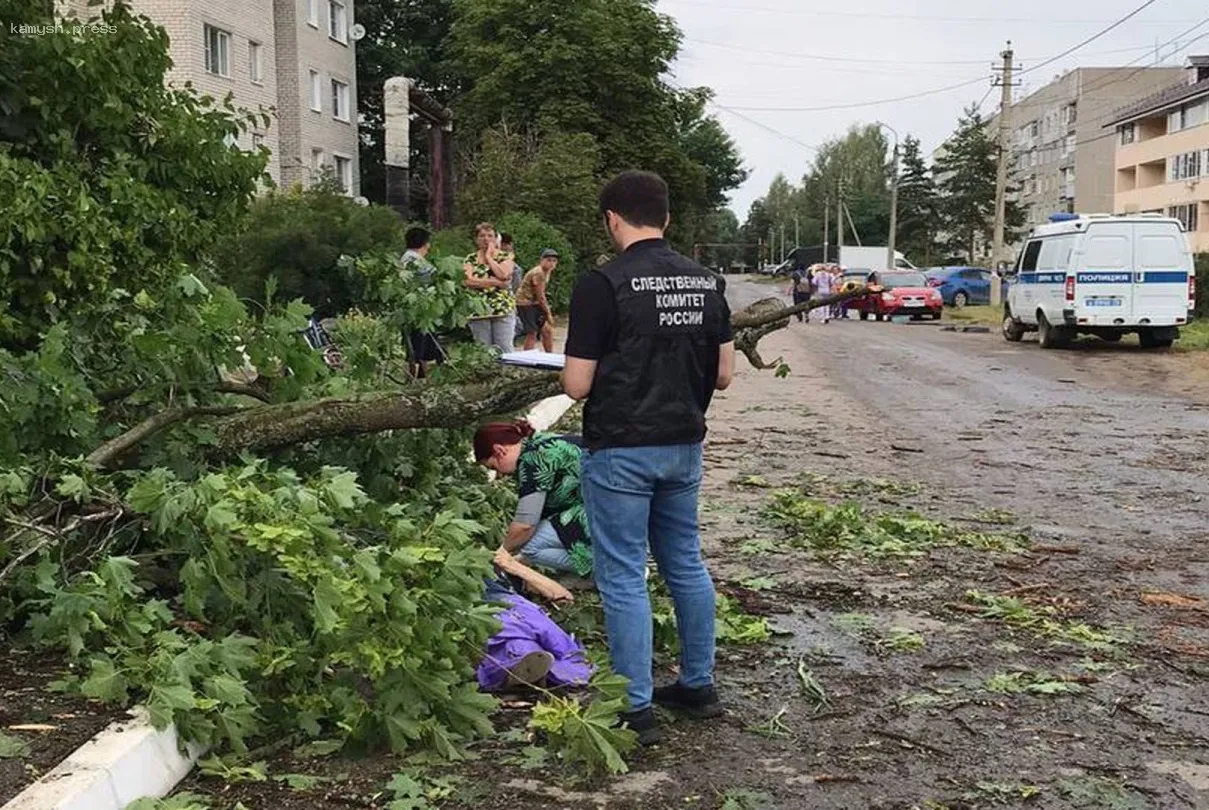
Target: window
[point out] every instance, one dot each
(344, 173)
(1186, 214)
(1184, 167)
(1028, 259)
(1196, 114)
(317, 160)
(339, 100)
(1161, 251)
(1129, 134)
(1069, 147)
(218, 50)
(312, 13)
(1034, 129)
(1055, 254)
(337, 21)
(257, 140)
(254, 51)
(316, 92)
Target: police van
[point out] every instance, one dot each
(1102, 275)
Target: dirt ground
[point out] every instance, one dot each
(50, 725)
(1098, 454)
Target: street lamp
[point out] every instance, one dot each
(891, 262)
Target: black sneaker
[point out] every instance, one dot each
(700, 703)
(643, 724)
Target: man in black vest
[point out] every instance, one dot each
(649, 342)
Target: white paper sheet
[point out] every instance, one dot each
(534, 359)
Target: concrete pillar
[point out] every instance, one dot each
(397, 124)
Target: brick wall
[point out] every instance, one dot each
(305, 45)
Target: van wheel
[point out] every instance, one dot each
(960, 299)
(1013, 331)
(864, 316)
(1050, 336)
(1149, 341)
(1112, 338)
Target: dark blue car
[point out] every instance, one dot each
(959, 286)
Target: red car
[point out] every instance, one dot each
(902, 293)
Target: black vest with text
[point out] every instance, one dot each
(654, 386)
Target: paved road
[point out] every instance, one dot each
(1085, 442)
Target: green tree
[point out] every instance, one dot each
(553, 176)
(857, 167)
(967, 168)
(918, 205)
(71, 232)
(592, 67)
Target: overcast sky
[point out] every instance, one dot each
(760, 54)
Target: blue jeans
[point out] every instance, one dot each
(545, 549)
(640, 497)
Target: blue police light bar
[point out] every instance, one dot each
(1062, 217)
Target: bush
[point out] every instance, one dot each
(297, 237)
(532, 236)
(454, 241)
(1202, 285)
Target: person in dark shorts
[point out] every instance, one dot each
(532, 306)
(422, 347)
(800, 288)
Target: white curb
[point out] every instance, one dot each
(126, 761)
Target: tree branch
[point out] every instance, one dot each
(221, 386)
(436, 406)
(108, 453)
(766, 316)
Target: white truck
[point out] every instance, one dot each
(871, 258)
(1102, 275)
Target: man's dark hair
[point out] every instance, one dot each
(640, 198)
(505, 239)
(416, 238)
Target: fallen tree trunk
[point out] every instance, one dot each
(455, 405)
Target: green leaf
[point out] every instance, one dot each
(12, 747)
(327, 596)
(319, 748)
(104, 682)
(405, 786)
(74, 487)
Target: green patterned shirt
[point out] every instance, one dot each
(551, 465)
(500, 300)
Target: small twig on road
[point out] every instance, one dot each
(1057, 549)
(902, 448)
(903, 738)
(964, 608)
(1057, 732)
(829, 454)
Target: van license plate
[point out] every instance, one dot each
(1102, 302)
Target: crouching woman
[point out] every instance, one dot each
(550, 528)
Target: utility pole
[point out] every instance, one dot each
(891, 260)
(1001, 177)
(782, 241)
(826, 229)
(797, 231)
(839, 221)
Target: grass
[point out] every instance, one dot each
(1030, 683)
(1194, 337)
(1044, 621)
(847, 529)
(986, 315)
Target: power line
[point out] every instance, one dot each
(919, 17)
(1093, 37)
(823, 58)
(946, 89)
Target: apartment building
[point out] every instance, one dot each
(292, 59)
(1162, 153)
(1061, 157)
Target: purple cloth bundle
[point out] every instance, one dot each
(527, 629)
